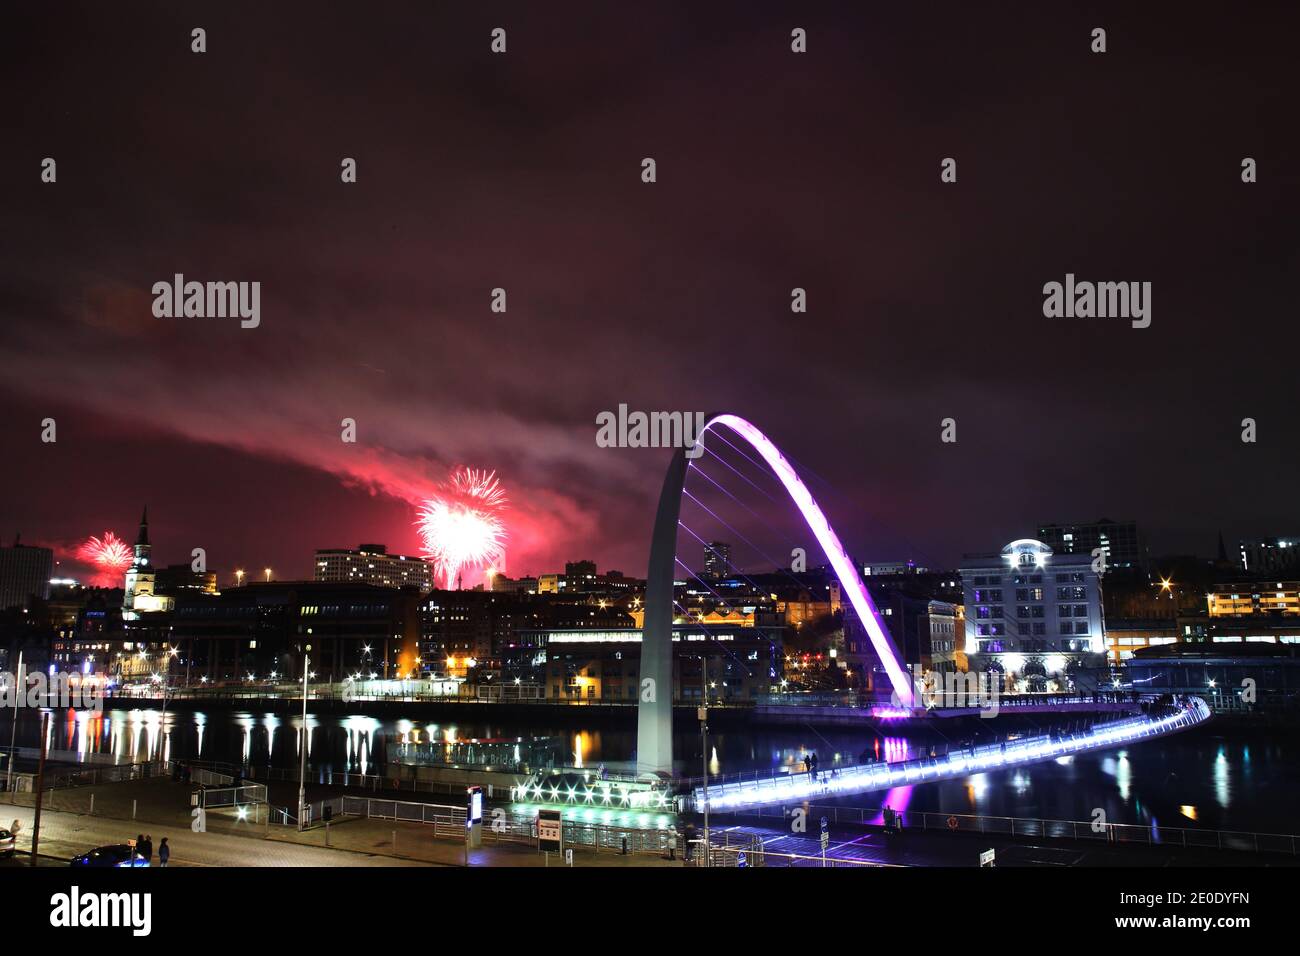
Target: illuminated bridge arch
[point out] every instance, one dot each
(654, 714)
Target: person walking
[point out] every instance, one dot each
(164, 852)
(147, 849)
(688, 837)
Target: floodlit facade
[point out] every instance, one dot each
(1029, 611)
(372, 564)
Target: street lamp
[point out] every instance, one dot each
(268, 574)
(19, 687)
(162, 725)
(302, 742)
(239, 578)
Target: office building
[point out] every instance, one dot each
(372, 564)
(24, 574)
(1269, 555)
(1120, 541)
(717, 560)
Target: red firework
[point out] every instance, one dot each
(109, 553)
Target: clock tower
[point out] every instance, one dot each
(140, 576)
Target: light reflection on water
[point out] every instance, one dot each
(1231, 782)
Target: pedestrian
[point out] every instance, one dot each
(688, 836)
(164, 852)
(147, 849)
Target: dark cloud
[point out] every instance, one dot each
(521, 171)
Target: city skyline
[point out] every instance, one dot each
(70, 563)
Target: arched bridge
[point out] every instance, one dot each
(654, 715)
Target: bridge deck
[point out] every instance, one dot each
(866, 777)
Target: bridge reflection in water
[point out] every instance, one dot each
(796, 787)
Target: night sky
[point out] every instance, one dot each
(522, 170)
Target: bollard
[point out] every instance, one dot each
(394, 841)
(133, 809)
(92, 804)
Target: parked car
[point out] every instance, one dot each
(118, 854)
(6, 842)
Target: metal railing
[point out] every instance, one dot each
(338, 778)
(880, 776)
(739, 857)
(449, 821)
(59, 779)
(1051, 829)
(210, 778)
(446, 820)
(212, 797)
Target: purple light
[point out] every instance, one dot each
(830, 543)
(890, 713)
(896, 799)
(902, 772)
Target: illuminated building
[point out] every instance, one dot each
(138, 593)
(263, 628)
(582, 578)
(372, 564)
(744, 662)
(1126, 635)
(1121, 541)
(925, 632)
(717, 560)
(1259, 600)
(1269, 555)
(1029, 611)
(1225, 675)
(888, 568)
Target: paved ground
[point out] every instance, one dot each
(64, 835)
(161, 809)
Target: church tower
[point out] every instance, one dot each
(140, 576)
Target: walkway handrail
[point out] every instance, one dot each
(1191, 711)
(1034, 826)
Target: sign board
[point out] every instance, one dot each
(550, 830)
(826, 839)
(986, 858)
(741, 859)
(473, 818)
(568, 857)
(825, 825)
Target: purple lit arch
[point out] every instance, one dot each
(654, 714)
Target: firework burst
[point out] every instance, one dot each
(461, 526)
(109, 553)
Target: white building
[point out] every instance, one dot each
(372, 564)
(1030, 612)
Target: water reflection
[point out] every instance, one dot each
(1193, 779)
(1222, 779)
